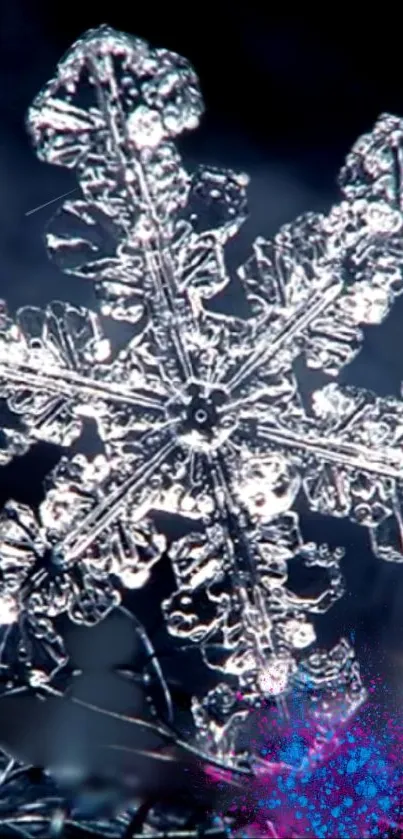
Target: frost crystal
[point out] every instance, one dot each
(200, 415)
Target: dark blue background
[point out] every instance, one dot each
(286, 96)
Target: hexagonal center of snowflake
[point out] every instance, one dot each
(198, 423)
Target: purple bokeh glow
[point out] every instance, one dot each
(351, 788)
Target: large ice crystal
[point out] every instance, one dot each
(200, 415)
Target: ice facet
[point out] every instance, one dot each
(200, 415)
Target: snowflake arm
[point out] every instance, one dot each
(350, 458)
(54, 372)
(320, 280)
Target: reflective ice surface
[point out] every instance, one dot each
(201, 414)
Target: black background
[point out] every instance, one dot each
(286, 96)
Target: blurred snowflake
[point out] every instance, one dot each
(201, 415)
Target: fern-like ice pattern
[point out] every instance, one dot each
(200, 415)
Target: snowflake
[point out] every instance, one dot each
(201, 414)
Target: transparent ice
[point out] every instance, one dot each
(200, 415)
